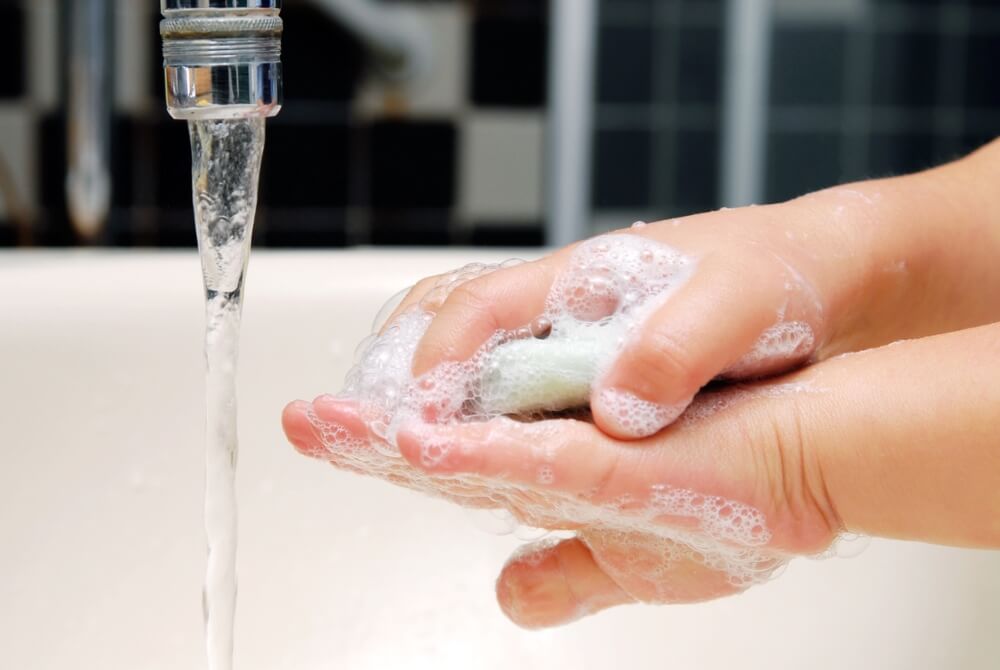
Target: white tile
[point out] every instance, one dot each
(17, 150)
(501, 166)
(133, 33)
(43, 52)
(442, 89)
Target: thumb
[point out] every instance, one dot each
(550, 583)
(680, 348)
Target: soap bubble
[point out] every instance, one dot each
(595, 305)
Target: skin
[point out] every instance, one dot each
(896, 441)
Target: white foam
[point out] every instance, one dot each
(781, 346)
(632, 416)
(595, 306)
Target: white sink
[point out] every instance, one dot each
(101, 544)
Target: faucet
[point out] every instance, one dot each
(222, 58)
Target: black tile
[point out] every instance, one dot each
(495, 234)
(118, 230)
(697, 170)
(982, 74)
(509, 61)
(643, 10)
(138, 157)
(175, 228)
(302, 228)
(624, 61)
(698, 78)
(701, 4)
(410, 227)
(54, 229)
(412, 164)
(801, 162)
(13, 50)
(305, 165)
(51, 136)
(900, 153)
(524, 8)
(905, 67)
(621, 169)
(807, 65)
(8, 234)
(320, 59)
(123, 163)
(173, 164)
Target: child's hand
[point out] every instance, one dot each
(771, 288)
(899, 441)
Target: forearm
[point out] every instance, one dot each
(925, 252)
(907, 438)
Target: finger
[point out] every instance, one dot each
(706, 326)
(740, 473)
(324, 426)
(551, 584)
(331, 429)
(431, 292)
(300, 430)
(506, 299)
(413, 296)
(560, 455)
(657, 569)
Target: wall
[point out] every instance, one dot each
(858, 88)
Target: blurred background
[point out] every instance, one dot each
(854, 89)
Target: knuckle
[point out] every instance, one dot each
(607, 475)
(788, 474)
(472, 301)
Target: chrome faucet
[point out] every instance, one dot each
(222, 58)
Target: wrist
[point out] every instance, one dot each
(908, 256)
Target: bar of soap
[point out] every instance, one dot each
(550, 375)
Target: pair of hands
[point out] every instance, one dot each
(899, 441)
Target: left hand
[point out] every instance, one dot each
(899, 441)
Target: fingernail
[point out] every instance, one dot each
(299, 430)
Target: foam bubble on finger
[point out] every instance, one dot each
(632, 416)
(782, 345)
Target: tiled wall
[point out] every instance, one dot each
(858, 88)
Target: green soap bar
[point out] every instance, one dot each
(535, 375)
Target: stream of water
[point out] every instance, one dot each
(226, 166)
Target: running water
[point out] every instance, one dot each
(226, 163)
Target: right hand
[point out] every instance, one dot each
(843, 269)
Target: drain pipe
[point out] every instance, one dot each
(88, 136)
(573, 42)
(743, 159)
